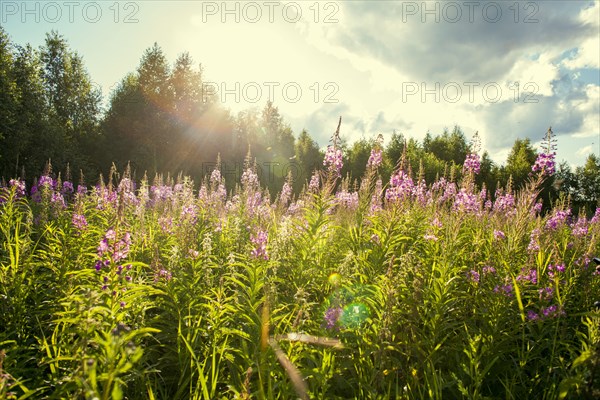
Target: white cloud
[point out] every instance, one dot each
(588, 52)
(373, 54)
(374, 51)
(389, 54)
(584, 151)
(590, 111)
(533, 75)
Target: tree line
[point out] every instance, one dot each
(160, 120)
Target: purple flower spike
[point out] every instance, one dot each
(260, 245)
(472, 164)
(332, 315)
(375, 159)
(333, 160)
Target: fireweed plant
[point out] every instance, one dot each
(159, 289)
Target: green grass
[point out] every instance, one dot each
(431, 302)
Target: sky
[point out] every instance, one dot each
(504, 69)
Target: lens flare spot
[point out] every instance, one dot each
(354, 314)
(335, 279)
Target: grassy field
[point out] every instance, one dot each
(166, 290)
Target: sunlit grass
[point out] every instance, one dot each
(168, 291)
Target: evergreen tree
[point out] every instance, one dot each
(153, 132)
(187, 132)
(123, 124)
(32, 142)
(275, 149)
(357, 157)
(487, 174)
(74, 105)
(588, 181)
(307, 158)
(8, 97)
(518, 163)
(141, 124)
(395, 148)
(450, 147)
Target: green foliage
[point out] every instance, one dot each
(50, 108)
(167, 294)
(519, 162)
(164, 292)
(167, 118)
(308, 159)
(449, 147)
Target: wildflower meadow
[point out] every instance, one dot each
(166, 288)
